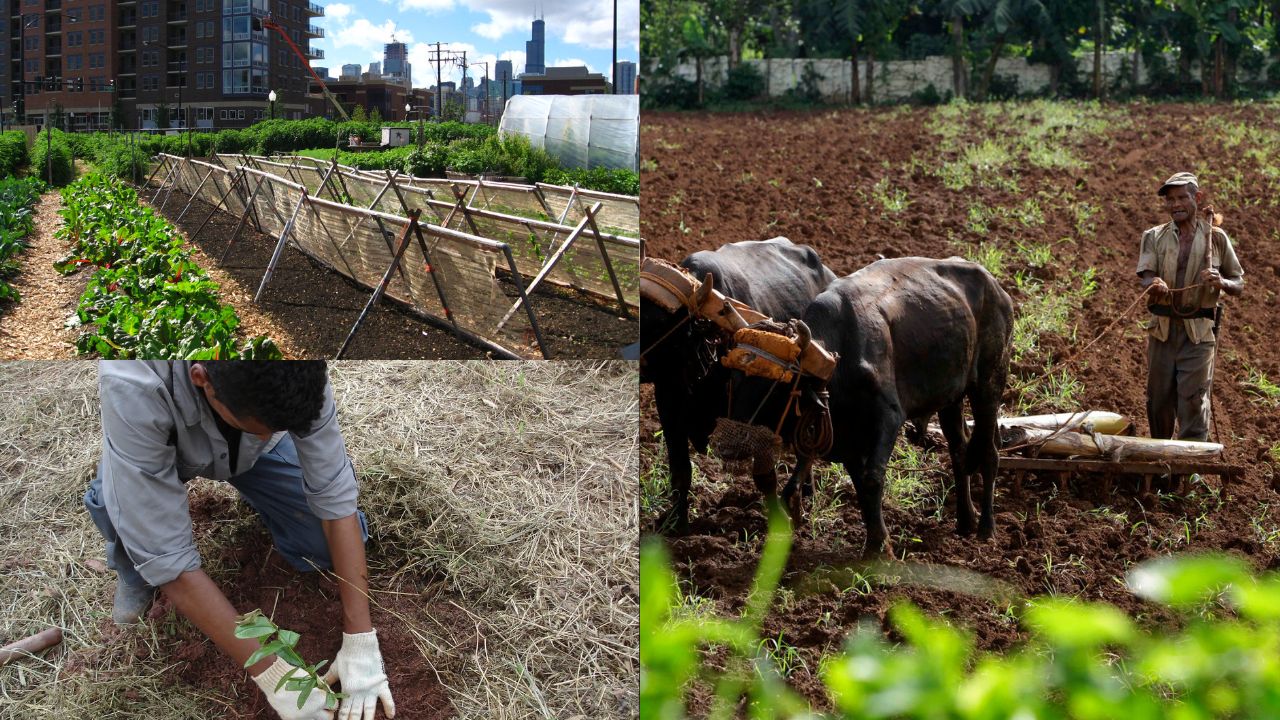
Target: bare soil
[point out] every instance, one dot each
(714, 179)
(308, 604)
(35, 326)
(317, 307)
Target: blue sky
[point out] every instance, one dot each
(578, 33)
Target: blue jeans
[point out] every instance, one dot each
(273, 487)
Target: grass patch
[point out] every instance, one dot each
(892, 199)
(988, 255)
(1262, 389)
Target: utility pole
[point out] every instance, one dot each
(614, 76)
(439, 61)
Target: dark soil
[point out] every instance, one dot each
(714, 179)
(306, 603)
(318, 306)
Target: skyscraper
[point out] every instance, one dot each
(535, 59)
(502, 77)
(625, 82)
(395, 62)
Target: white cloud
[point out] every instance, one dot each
(589, 24)
(428, 5)
(571, 62)
(364, 35)
(336, 12)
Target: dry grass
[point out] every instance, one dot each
(514, 482)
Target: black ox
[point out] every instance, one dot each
(914, 336)
(680, 356)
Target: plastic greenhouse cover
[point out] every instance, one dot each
(584, 131)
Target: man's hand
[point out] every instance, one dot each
(285, 701)
(1158, 288)
(1210, 277)
(358, 669)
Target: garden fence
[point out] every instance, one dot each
(439, 247)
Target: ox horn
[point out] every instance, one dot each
(803, 334)
(703, 291)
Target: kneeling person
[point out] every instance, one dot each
(270, 429)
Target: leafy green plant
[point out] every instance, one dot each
(147, 297)
(13, 152)
(273, 640)
(16, 222)
(893, 199)
(51, 158)
(1262, 388)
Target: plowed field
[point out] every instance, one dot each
(1041, 193)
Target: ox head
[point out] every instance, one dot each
(778, 379)
(677, 341)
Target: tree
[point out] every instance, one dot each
(358, 115)
(1006, 16)
(162, 115)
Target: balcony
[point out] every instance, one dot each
(314, 31)
(314, 10)
(177, 17)
(128, 21)
(176, 41)
(53, 50)
(315, 53)
(52, 5)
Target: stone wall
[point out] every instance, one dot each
(901, 79)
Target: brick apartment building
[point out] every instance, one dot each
(200, 61)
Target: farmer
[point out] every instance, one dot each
(271, 430)
(1183, 295)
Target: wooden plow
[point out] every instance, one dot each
(1101, 446)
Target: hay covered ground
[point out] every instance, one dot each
(503, 513)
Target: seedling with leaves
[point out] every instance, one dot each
(277, 641)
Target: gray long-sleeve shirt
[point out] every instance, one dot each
(158, 432)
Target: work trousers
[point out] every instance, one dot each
(272, 487)
(1179, 380)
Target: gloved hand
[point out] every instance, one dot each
(285, 701)
(358, 669)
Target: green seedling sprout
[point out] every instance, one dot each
(280, 642)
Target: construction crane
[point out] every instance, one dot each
(267, 23)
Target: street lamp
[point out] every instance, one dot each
(271, 97)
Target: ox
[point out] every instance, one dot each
(915, 336)
(681, 357)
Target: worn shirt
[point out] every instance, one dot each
(158, 432)
(1159, 253)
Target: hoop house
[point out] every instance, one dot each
(584, 131)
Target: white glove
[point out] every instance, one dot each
(285, 701)
(358, 669)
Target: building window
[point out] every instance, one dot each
(74, 62)
(31, 43)
(150, 8)
(75, 39)
(239, 114)
(151, 35)
(97, 13)
(73, 15)
(96, 37)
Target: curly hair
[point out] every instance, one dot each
(281, 394)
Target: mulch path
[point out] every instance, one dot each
(35, 326)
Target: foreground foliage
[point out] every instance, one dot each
(1085, 660)
(17, 219)
(274, 640)
(13, 152)
(51, 158)
(147, 298)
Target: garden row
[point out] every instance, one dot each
(147, 298)
(1085, 660)
(17, 219)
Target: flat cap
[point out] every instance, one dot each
(1182, 178)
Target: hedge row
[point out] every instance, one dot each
(13, 152)
(51, 157)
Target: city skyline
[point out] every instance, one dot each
(487, 30)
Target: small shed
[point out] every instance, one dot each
(395, 136)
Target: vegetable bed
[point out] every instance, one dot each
(16, 222)
(147, 298)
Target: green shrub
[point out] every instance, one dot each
(16, 222)
(520, 158)
(52, 156)
(119, 158)
(427, 161)
(233, 142)
(743, 82)
(13, 152)
(474, 157)
(621, 182)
